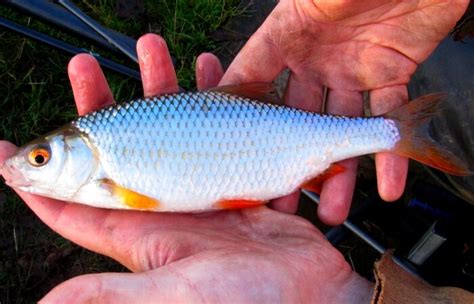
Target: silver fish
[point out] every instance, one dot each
(207, 150)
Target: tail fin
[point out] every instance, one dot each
(415, 143)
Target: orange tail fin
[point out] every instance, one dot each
(415, 143)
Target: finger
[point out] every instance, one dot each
(89, 86)
(7, 150)
(336, 194)
(301, 95)
(391, 169)
(287, 204)
(156, 67)
(337, 191)
(209, 71)
(258, 60)
(106, 288)
(182, 282)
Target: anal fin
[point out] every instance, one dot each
(315, 184)
(130, 198)
(238, 203)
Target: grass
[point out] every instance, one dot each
(184, 24)
(35, 97)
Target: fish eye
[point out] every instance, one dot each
(39, 156)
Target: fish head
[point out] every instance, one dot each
(56, 165)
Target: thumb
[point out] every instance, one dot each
(106, 288)
(163, 285)
(7, 150)
(258, 61)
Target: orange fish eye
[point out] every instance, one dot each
(39, 156)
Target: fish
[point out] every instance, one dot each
(221, 148)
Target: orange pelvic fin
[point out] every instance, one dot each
(316, 184)
(238, 204)
(262, 91)
(130, 198)
(415, 142)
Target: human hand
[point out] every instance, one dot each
(246, 256)
(350, 47)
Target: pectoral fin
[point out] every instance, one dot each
(130, 198)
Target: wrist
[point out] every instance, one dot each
(356, 290)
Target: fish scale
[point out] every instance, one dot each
(190, 150)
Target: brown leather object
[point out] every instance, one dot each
(395, 285)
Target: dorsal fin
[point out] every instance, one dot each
(261, 91)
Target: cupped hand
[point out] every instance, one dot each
(350, 47)
(254, 255)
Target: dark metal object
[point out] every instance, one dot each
(427, 245)
(336, 235)
(56, 15)
(123, 47)
(367, 238)
(429, 209)
(353, 228)
(70, 49)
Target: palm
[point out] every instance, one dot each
(256, 254)
(349, 47)
(259, 251)
(380, 45)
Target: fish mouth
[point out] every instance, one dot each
(13, 177)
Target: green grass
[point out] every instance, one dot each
(185, 25)
(35, 97)
(188, 24)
